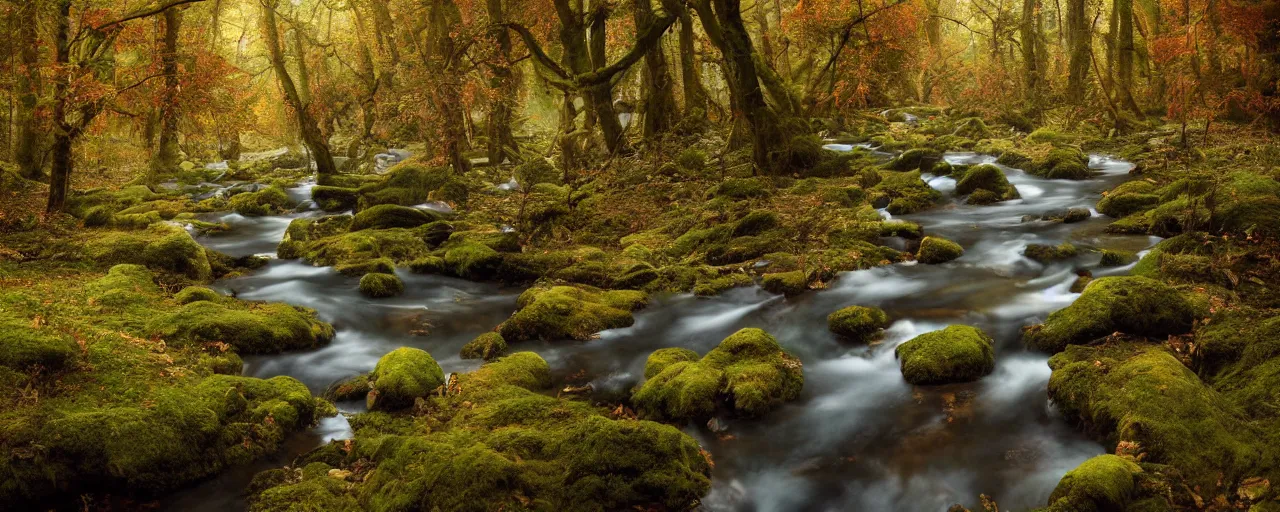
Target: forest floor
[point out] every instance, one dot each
(121, 369)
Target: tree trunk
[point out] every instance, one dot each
(1033, 52)
(722, 20)
(501, 141)
(445, 96)
(659, 102)
(167, 153)
(307, 126)
(695, 98)
(1078, 41)
(1124, 55)
(600, 96)
(27, 140)
(60, 175)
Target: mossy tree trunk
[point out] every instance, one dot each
(600, 95)
(695, 98)
(167, 152)
(60, 173)
(659, 101)
(27, 85)
(502, 142)
(1078, 41)
(308, 128)
(1124, 55)
(1034, 60)
(441, 56)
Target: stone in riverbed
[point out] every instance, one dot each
(938, 250)
(377, 285)
(402, 376)
(857, 323)
(959, 353)
(1134, 305)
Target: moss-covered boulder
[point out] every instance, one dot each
(472, 260)
(1041, 253)
(857, 323)
(377, 285)
(196, 294)
(335, 199)
(935, 250)
(748, 374)
(902, 193)
(570, 312)
(790, 283)
(915, 158)
(487, 346)
(959, 353)
(1105, 482)
(1116, 258)
(1133, 305)
(1062, 164)
(385, 216)
(1129, 198)
(402, 376)
(408, 183)
(250, 328)
(160, 247)
(499, 440)
(306, 229)
(399, 245)
(23, 347)
(989, 178)
(268, 201)
(1141, 397)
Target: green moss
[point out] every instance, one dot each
(268, 201)
(935, 250)
(472, 260)
(487, 346)
(401, 376)
(1134, 305)
(373, 266)
(755, 223)
(135, 220)
(160, 247)
(1105, 482)
(352, 388)
(1128, 198)
(1062, 163)
(915, 158)
(972, 128)
(259, 329)
(1049, 253)
(787, 283)
(398, 244)
(741, 188)
(123, 286)
(385, 216)
(1048, 136)
(1142, 396)
(378, 285)
(858, 323)
(902, 193)
(569, 312)
(301, 231)
(748, 372)
(406, 184)
(196, 294)
(23, 347)
(902, 228)
(1116, 258)
(334, 199)
(989, 178)
(959, 353)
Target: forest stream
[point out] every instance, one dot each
(858, 438)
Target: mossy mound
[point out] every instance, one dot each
(196, 294)
(487, 346)
(915, 158)
(569, 312)
(1133, 305)
(268, 201)
(399, 245)
(1141, 397)
(959, 353)
(335, 199)
(497, 441)
(748, 373)
(935, 250)
(1115, 258)
(410, 183)
(160, 247)
(472, 260)
(256, 329)
(23, 347)
(361, 268)
(857, 323)
(385, 216)
(377, 285)
(989, 178)
(1128, 198)
(1041, 253)
(402, 376)
(1062, 164)
(1105, 482)
(790, 283)
(301, 231)
(903, 193)
(124, 286)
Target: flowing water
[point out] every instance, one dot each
(858, 438)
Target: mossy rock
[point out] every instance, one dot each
(351, 388)
(487, 346)
(406, 184)
(385, 216)
(1041, 253)
(1134, 305)
(1049, 136)
(1105, 482)
(1062, 164)
(303, 230)
(361, 268)
(915, 158)
(986, 184)
(902, 193)
(857, 323)
(472, 260)
(959, 353)
(196, 294)
(569, 312)
(786, 283)
(755, 223)
(377, 285)
(742, 188)
(260, 329)
(124, 285)
(1140, 396)
(1116, 258)
(1124, 200)
(159, 247)
(399, 245)
(748, 373)
(402, 376)
(934, 250)
(268, 201)
(23, 347)
(972, 128)
(901, 228)
(335, 199)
